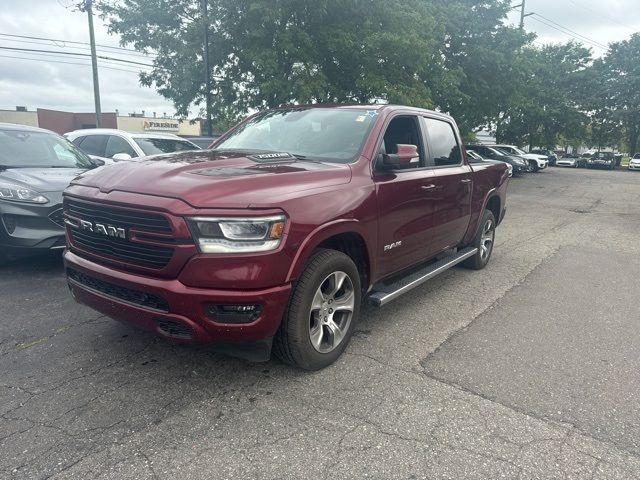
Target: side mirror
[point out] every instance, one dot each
(406, 155)
(119, 157)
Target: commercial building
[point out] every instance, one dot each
(63, 122)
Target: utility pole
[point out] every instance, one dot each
(207, 73)
(522, 15)
(94, 63)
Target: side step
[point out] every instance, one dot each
(385, 292)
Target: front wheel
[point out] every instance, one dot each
(322, 312)
(533, 166)
(483, 242)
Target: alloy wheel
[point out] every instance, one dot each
(331, 312)
(486, 239)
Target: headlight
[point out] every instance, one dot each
(18, 193)
(237, 235)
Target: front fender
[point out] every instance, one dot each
(319, 235)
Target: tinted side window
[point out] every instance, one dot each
(442, 144)
(93, 144)
(116, 144)
(403, 131)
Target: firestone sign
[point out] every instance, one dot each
(160, 126)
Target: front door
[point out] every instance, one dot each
(405, 202)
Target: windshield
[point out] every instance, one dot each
(154, 146)
(502, 152)
(22, 148)
(327, 134)
(499, 152)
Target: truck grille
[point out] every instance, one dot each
(128, 295)
(121, 249)
(129, 219)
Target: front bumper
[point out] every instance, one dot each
(561, 163)
(26, 229)
(178, 312)
(635, 166)
(542, 164)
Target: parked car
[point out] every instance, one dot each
(275, 235)
(536, 162)
(202, 142)
(550, 154)
(602, 160)
(120, 145)
(634, 163)
(475, 158)
(636, 156)
(571, 160)
(36, 165)
(519, 165)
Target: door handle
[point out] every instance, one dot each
(465, 180)
(428, 188)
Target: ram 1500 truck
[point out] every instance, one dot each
(276, 235)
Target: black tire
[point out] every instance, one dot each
(533, 165)
(480, 260)
(293, 344)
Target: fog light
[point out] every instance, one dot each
(233, 313)
(9, 223)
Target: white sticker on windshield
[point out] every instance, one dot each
(361, 118)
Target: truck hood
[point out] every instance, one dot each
(218, 179)
(41, 179)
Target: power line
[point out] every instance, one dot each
(62, 55)
(68, 63)
(80, 47)
(74, 42)
(76, 54)
(595, 44)
(572, 32)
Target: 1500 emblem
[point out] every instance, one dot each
(108, 230)
(392, 245)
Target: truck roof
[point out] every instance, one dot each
(368, 106)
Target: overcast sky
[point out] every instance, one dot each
(41, 83)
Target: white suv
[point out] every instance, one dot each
(119, 145)
(537, 162)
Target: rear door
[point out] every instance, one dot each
(453, 184)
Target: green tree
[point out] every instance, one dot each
(619, 72)
(545, 107)
(266, 53)
(480, 54)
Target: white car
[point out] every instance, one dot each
(537, 162)
(119, 145)
(568, 161)
(634, 163)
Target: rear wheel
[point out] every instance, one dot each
(483, 242)
(322, 312)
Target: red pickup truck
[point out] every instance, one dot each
(276, 235)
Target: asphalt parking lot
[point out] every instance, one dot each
(528, 369)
